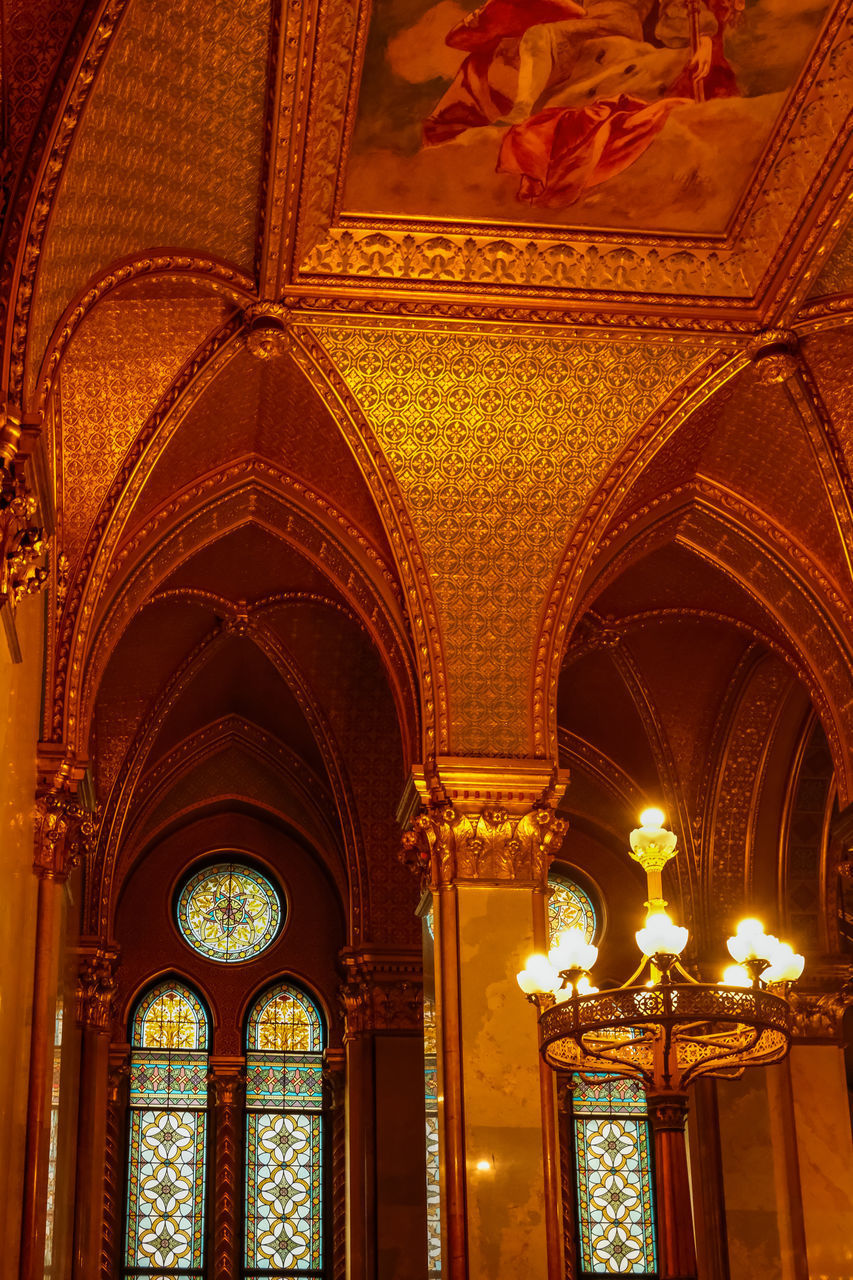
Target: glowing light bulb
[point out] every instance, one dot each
(734, 975)
(539, 976)
(484, 1166)
(750, 942)
(652, 818)
(572, 952)
(661, 937)
(786, 965)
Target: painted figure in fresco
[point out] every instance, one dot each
(584, 89)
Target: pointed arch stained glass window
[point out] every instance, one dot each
(168, 1135)
(284, 1136)
(229, 912)
(569, 907)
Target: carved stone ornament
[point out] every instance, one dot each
(381, 991)
(23, 544)
(96, 986)
(65, 831)
(267, 324)
(775, 355)
(818, 1014)
(482, 823)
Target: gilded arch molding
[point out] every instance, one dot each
(218, 511)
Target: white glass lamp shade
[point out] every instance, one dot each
(750, 942)
(539, 976)
(652, 836)
(572, 952)
(661, 937)
(785, 966)
(734, 975)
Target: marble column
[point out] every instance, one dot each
(812, 1143)
(480, 835)
(95, 992)
(63, 829)
(382, 999)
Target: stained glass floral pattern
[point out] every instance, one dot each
(615, 1205)
(284, 1137)
(569, 907)
(168, 1135)
(229, 912)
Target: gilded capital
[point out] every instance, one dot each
(23, 543)
(96, 984)
(486, 821)
(382, 991)
(64, 830)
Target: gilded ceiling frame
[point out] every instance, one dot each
(394, 255)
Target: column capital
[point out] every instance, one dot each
(382, 990)
(482, 820)
(96, 984)
(64, 829)
(227, 1076)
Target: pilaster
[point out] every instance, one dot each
(481, 834)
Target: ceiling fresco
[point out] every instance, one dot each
(646, 115)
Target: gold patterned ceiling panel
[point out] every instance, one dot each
(33, 35)
(497, 441)
(830, 355)
(267, 409)
(121, 362)
(168, 152)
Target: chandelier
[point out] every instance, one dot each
(662, 1027)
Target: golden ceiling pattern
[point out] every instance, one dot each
(168, 152)
(122, 361)
(497, 441)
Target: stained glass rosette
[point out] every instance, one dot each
(229, 912)
(569, 907)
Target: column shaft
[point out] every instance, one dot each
(227, 1077)
(41, 1068)
(676, 1247)
(91, 1152)
(115, 1168)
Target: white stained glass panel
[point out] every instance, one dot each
(283, 1192)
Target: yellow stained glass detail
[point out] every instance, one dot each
(284, 1026)
(569, 907)
(170, 1023)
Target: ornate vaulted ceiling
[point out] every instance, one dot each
(410, 382)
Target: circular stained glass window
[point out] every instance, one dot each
(229, 912)
(569, 907)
